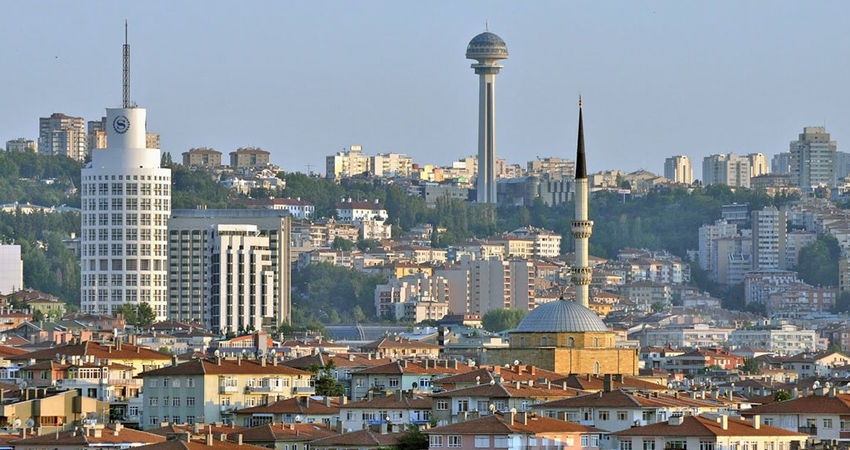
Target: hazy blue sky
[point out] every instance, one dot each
(304, 79)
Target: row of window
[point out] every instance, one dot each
(127, 188)
(130, 249)
(103, 265)
(171, 401)
(154, 420)
(132, 204)
(130, 219)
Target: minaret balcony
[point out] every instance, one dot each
(582, 229)
(582, 275)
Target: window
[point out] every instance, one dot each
(706, 445)
(482, 441)
(154, 420)
(827, 423)
(154, 401)
(175, 401)
(845, 425)
(442, 405)
(190, 382)
(455, 441)
(585, 441)
(622, 415)
(500, 441)
(647, 416)
(190, 401)
(190, 420)
(625, 445)
(435, 440)
(603, 415)
(462, 405)
(677, 445)
(648, 445)
(393, 382)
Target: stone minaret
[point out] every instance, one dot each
(581, 226)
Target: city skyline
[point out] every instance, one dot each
(735, 77)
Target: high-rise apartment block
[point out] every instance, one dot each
(241, 279)
(813, 158)
(678, 169)
(22, 145)
(758, 164)
(347, 163)
(126, 200)
(391, 164)
(552, 167)
(198, 292)
(707, 235)
(60, 134)
(11, 269)
(769, 239)
(729, 169)
(781, 163)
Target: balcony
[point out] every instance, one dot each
(305, 390)
(226, 389)
(266, 388)
(810, 430)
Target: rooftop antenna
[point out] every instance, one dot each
(126, 79)
(486, 25)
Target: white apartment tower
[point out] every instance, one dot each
(729, 169)
(126, 200)
(678, 169)
(769, 239)
(708, 235)
(758, 164)
(813, 158)
(61, 134)
(11, 269)
(487, 49)
(241, 279)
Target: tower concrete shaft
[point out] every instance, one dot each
(582, 227)
(487, 49)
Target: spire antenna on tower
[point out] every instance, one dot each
(126, 78)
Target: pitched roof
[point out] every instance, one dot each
(390, 343)
(226, 367)
(99, 351)
(623, 399)
(286, 432)
(349, 360)
(699, 426)
(362, 438)
(198, 444)
(597, 383)
(78, 438)
(295, 406)
(497, 390)
(402, 367)
(840, 404)
(500, 424)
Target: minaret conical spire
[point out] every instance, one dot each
(581, 164)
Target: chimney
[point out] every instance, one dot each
(307, 402)
(530, 383)
(517, 384)
(173, 360)
(328, 401)
(118, 427)
(532, 370)
(756, 421)
(511, 418)
(731, 393)
(676, 420)
(795, 393)
(262, 363)
(209, 439)
(196, 428)
(239, 439)
(724, 422)
(564, 385)
(608, 383)
(184, 437)
(218, 360)
(523, 418)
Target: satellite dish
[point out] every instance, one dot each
(217, 353)
(492, 408)
(492, 382)
(513, 410)
(17, 423)
(298, 419)
(516, 362)
(30, 422)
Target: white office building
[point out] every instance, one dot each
(728, 168)
(678, 169)
(769, 239)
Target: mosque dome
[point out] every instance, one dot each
(487, 45)
(561, 316)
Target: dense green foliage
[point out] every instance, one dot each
(502, 319)
(818, 262)
(326, 384)
(318, 290)
(842, 303)
(23, 179)
(48, 266)
(781, 395)
(139, 316)
(413, 439)
(193, 188)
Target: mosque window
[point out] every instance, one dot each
(596, 368)
(571, 342)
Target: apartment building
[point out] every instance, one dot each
(728, 169)
(347, 163)
(249, 158)
(211, 390)
(192, 247)
(769, 239)
(22, 145)
(61, 134)
(813, 159)
(678, 169)
(783, 338)
(203, 157)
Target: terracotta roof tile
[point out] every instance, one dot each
(227, 366)
(362, 438)
(500, 424)
(699, 426)
(295, 406)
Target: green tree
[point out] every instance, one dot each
(38, 316)
(357, 314)
(145, 315)
(752, 366)
(343, 244)
(842, 303)
(325, 383)
(657, 307)
(818, 262)
(781, 395)
(502, 319)
(413, 439)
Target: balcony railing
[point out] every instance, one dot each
(225, 389)
(810, 430)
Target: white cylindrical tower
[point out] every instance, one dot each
(582, 227)
(488, 49)
(126, 201)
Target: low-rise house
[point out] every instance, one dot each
(400, 347)
(49, 410)
(815, 364)
(210, 390)
(459, 404)
(698, 361)
(402, 375)
(618, 410)
(825, 417)
(297, 409)
(400, 409)
(285, 436)
(140, 358)
(610, 382)
(514, 431)
(486, 374)
(708, 433)
(344, 365)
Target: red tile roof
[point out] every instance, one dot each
(362, 438)
(295, 406)
(85, 439)
(840, 404)
(700, 426)
(226, 367)
(501, 424)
